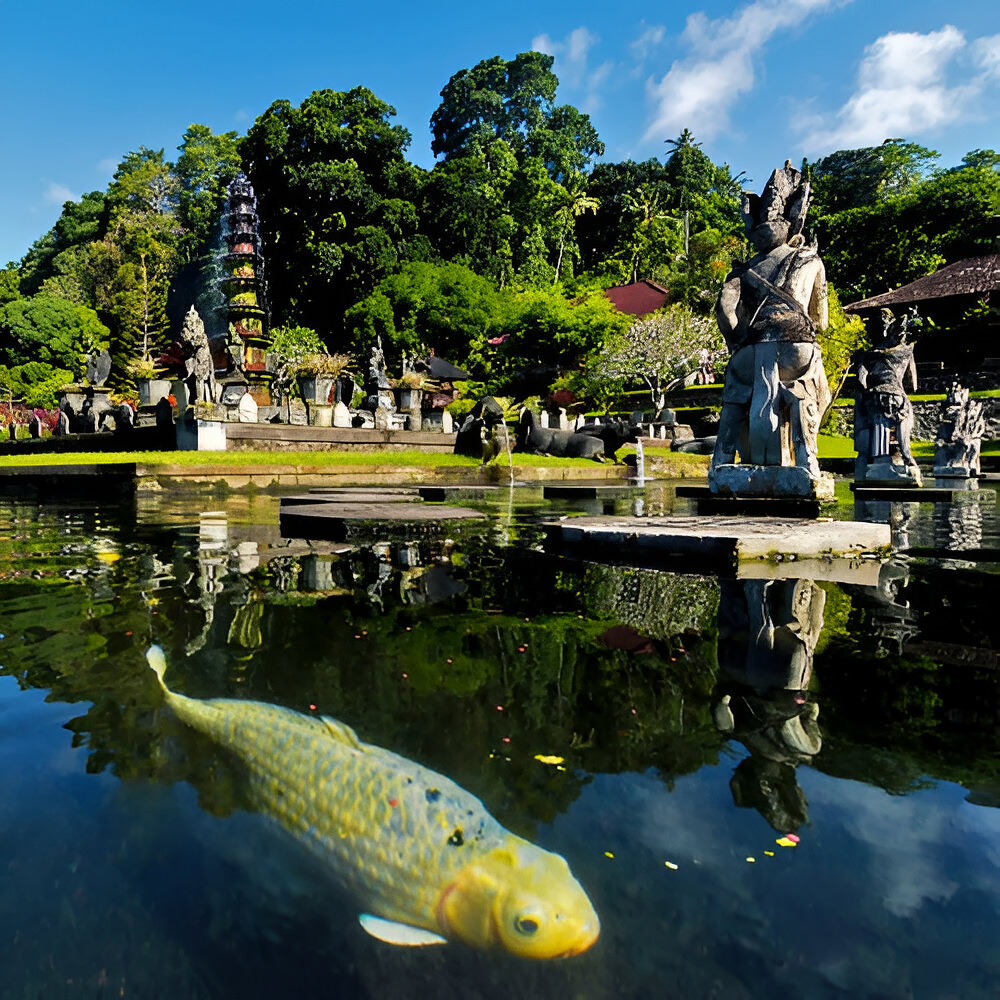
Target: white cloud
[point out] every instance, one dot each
(910, 83)
(648, 41)
(698, 90)
(572, 66)
(986, 55)
(106, 166)
(903, 89)
(57, 194)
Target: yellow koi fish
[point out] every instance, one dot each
(422, 855)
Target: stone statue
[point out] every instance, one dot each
(775, 392)
(377, 385)
(199, 366)
(883, 414)
(98, 368)
(959, 437)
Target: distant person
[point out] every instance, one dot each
(706, 367)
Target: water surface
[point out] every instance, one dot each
(130, 868)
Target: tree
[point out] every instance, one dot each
(878, 247)
(10, 284)
(513, 101)
(336, 201)
(572, 202)
(653, 240)
(604, 236)
(207, 164)
(658, 350)
(988, 159)
(465, 211)
(446, 307)
(854, 178)
(79, 223)
(144, 184)
(54, 331)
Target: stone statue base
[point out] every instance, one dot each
(883, 470)
(956, 471)
(769, 481)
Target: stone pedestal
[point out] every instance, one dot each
(201, 435)
(778, 481)
(883, 470)
(341, 415)
(152, 390)
(321, 414)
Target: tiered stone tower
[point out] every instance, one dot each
(243, 287)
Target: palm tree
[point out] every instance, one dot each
(573, 202)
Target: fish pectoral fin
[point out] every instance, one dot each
(341, 732)
(393, 932)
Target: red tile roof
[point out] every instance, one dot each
(639, 298)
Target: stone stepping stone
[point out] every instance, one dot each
(719, 543)
(331, 520)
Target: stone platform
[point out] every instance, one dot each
(745, 547)
(332, 520)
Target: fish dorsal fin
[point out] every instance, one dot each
(342, 732)
(393, 932)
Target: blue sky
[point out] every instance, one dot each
(757, 82)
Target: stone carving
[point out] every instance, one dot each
(883, 414)
(199, 367)
(98, 368)
(483, 434)
(769, 311)
(959, 437)
(377, 384)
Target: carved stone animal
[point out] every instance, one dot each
(560, 444)
(615, 434)
(696, 446)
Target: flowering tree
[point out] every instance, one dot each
(659, 349)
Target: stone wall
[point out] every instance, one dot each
(927, 419)
(284, 437)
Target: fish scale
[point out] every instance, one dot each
(420, 853)
(344, 807)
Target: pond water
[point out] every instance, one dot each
(686, 725)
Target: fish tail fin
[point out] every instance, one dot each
(158, 663)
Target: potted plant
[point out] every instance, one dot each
(317, 372)
(411, 386)
(144, 372)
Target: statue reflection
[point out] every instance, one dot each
(768, 631)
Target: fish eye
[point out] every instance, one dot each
(526, 925)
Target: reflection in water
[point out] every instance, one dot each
(418, 851)
(768, 631)
(128, 857)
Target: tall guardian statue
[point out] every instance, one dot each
(769, 311)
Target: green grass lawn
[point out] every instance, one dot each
(315, 458)
(835, 446)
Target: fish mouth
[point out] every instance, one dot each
(590, 933)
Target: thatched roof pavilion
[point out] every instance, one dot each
(973, 277)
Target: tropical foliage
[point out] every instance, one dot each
(496, 257)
